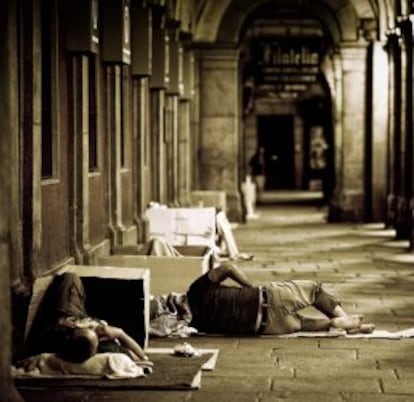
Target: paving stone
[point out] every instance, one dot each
(366, 397)
(322, 373)
(395, 386)
(308, 384)
(224, 396)
(250, 384)
(310, 363)
(249, 371)
(293, 396)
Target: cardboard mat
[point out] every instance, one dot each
(170, 372)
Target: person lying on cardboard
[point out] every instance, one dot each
(63, 327)
(271, 309)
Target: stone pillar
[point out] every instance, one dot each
(186, 101)
(114, 126)
(9, 127)
(410, 123)
(219, 125)
(184, 152)
(159, 81)
(171, 147)
(142, 180)
(28, 142)
(158, 145)
(380, 86)
(338, 129)
(348, 201)
(141, 49)
(402, 219)
(195, 126)
(80, 158)
(393, 127)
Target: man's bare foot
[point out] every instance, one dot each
(362, 329)
(347, 322)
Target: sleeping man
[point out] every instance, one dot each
(62, 326)
(271, 309)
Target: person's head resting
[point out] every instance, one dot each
(80, 346)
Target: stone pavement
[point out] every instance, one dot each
(357, 263)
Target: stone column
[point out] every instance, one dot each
(158, 145)
(393, 127)
(195, 126)
(380, 86)
(141, 58)
(9, 127)
(410, 122)
(219, 125)
(402, 219)
(141, 155)
(338, 129)
(348, 201)
(113, 151)
(171, 145)
(184, 152)
(27, 150)
(159, 81)
(80, 157)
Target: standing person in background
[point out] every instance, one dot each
(258, 166)
(319, 160)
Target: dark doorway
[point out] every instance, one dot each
(275, 134)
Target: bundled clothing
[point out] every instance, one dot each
(170, 316)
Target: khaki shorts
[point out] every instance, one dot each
(284, 300)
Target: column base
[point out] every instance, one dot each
(234, 207)
(402, 218)
(347, 206)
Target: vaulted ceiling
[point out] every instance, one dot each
(342, 20)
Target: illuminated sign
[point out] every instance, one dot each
(287, 60)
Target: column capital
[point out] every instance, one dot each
(217, 53)
(216, 46)
(353, 55)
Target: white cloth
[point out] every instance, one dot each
(334, 333)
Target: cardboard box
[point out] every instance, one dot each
(209, 198)
(168, 274)
(183, 226)
(119, 296)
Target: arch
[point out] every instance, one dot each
(339, 17)
(223, 20)
(387, 17)
(208, 20)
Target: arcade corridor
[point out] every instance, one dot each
(356, 262)
(109, 106)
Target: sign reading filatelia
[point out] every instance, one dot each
(287, 60)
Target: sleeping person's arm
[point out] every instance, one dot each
(229, 270)
(126, 341)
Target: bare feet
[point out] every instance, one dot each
(362, 329)
(347, 322)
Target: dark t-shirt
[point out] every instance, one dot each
(222, 309)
